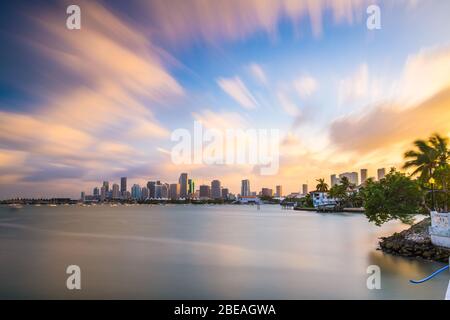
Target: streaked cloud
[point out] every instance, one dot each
(237, 90)
(214, 21)
(258, 73)
(306, 86)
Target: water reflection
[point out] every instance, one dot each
(201, 252)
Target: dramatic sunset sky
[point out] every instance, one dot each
(82, 106)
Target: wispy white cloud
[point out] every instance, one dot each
(237, 90)
(258, 73)
(306, 86)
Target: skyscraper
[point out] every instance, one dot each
(106, 186)
(144, 193)
(123, 184)
(158, 190)
(351, 176)
(215, 189)
(381, 173)
(136, 192)
(102, 194)
(183, 181)
(304, 188)
(334, 180)
(151, 189)
(165, 190)
(225, 193)
(363, 175)
(83, 196)
(174, 191)
(245, 188)
(96, 192)
(115, 191)
(279, 191)
(191, 186)
(205, 192)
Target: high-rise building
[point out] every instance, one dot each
(165, 190)
(225, 193)
(351, 176)
(136, 192)
(96, 192)
(205, 192)
(174, 191)
(144, 193)
(183, 181)
(279, 191)
(158, 190)
(102, 194)
(151, 189)
(304, 188)
(106, 186)
(123, 184)
(115, 191)
(191, 186)
(334, 180)
(83, 196)
(245, 188)
(266, 192)
(381, 173)
(215, 189)
(363, 175)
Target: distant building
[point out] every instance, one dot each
(205, 192)
(165, 187)
(96, 192)
(363, 175)
(245, 188)
(191, 187)
(136, 192)
(304, 189)
(381, 173)
(106, 186)
(123, 185)
(334, 180)
(174, 191)
(351, 176)
(151, 189)
(249, 199)
(102, 194)
(279, 191)
(183, 181)
(215, 189)
(83, 196)
(144, 193)
(266, 192)
(225, 193)
(115, 191)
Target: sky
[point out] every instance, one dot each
(78, 107)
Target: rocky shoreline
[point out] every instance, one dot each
(414, 242)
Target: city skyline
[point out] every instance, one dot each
(214, 190)
(103, 101)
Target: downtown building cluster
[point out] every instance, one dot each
(183, 190)
(353, 177)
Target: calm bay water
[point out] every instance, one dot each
(201, 252)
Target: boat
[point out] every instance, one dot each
(16, 206)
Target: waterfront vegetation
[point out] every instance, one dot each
(398, 195)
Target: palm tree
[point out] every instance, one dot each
(322, 186)
(424, 160)
(430, 156)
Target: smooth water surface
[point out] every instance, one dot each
(201, 252)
